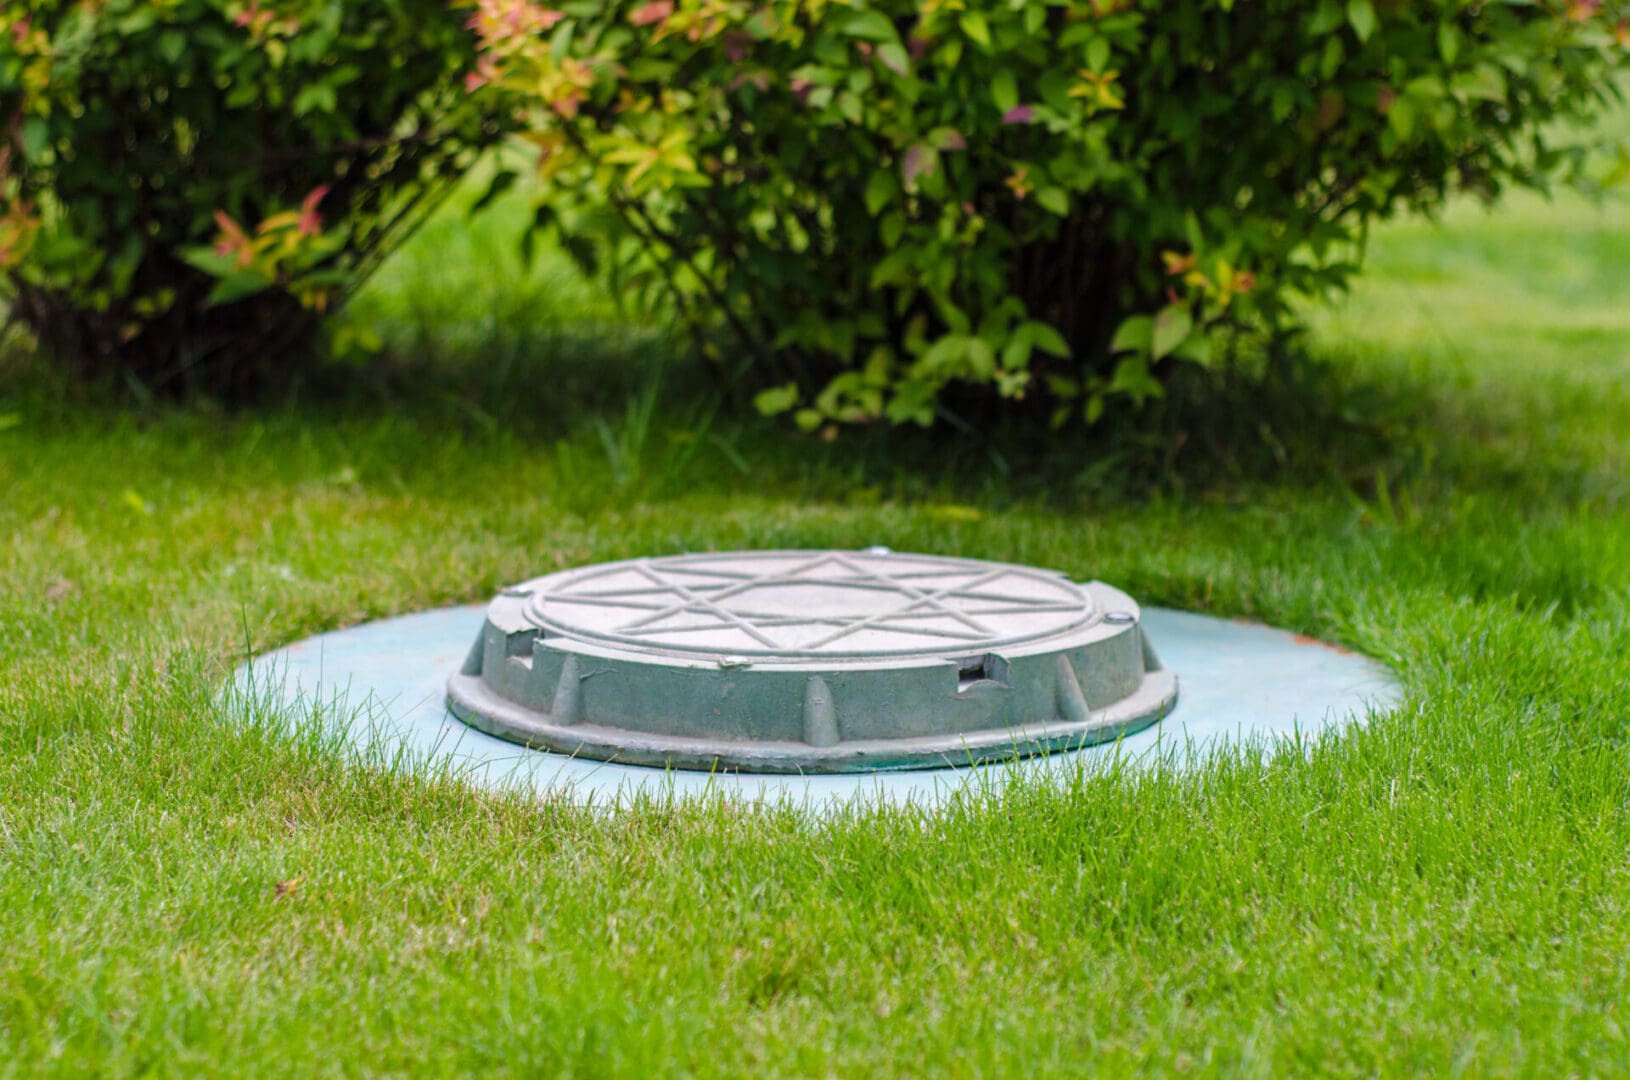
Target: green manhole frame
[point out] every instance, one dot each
(1074, 677)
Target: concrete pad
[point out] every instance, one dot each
(1240, 684)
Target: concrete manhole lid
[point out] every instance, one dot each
(821, 661)
(806, 604)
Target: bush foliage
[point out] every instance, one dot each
(1051, 200)
(186, 184)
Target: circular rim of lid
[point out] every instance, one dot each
(885, 579)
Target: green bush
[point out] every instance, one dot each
(1050, 200)
(185, 185)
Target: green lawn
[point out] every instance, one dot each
(1446, 891)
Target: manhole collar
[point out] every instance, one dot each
(810, 660)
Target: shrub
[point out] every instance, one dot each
(1049, 200)
(185, 185)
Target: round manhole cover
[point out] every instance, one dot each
(787, 661)
(797, 605)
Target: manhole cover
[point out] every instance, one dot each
(810, 661)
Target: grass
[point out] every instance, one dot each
(1445, 891)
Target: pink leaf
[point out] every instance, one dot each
(233, 240)
(310, 223)
(920, 160)
(654, 12)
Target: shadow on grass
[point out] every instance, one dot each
(631, 402)
(626, 401)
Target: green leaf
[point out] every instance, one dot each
(1196, 349)
(1326, 17)
(650, 69)
(1401, 118)
(1093, 409)
(172, 45)
(1055, 200)
(1004, 90)
(1063, 387)
(974, 26)
(1330, 60)
(776, 400)
(209, 261)
(870, 25)
(137, 21)
(1098, 54)
(315, 97)
(943, 355)
(1170, 329)
(1448, 42)
(898, 267)
(1016, 353)
(237, 285)
(891, 228)
(879, 190)
(36, 136)
(1054, 89)
(958, 354)
(893, 56)
(807, 419)
(1361, 16)
(913, 402)
(981, 357)
(1133, 335)
(1048, 339)
(850, 107)
(1133, 379)
(1282, 102)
